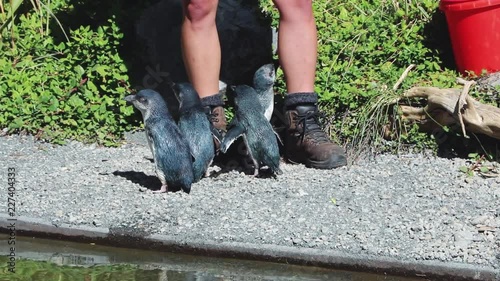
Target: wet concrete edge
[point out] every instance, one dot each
(131, 238)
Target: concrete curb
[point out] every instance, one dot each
(130, 238)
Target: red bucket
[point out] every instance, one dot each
(474, 27)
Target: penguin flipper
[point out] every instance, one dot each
(191, 152)
(278, 137)
(233, 134)
(215, 134)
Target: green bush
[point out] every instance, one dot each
(73, 89)
(63, 90)
(364, 47)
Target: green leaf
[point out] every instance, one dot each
(72, 122)
(75, 101)
(102, 70)
(463, 169)
(472, 155)
(53, 105)
(16, 124)
(91, 86)
(484, 169)
(79, 70)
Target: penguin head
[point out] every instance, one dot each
(147, 101)
(245, 96)
(264, 77)
(187, 96)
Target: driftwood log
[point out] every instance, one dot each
(449, 107)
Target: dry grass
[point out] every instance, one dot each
(377, 121)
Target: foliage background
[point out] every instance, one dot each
(62, 71)
(67, 64)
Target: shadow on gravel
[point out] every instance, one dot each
(149, 182)
(237, 159)
(452, 144)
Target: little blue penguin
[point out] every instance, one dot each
(171, 152)
(263, 82)
(257, 132)
(195, 127)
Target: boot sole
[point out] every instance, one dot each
(323, 165)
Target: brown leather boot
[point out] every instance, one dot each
(217, 118)
(307, 143)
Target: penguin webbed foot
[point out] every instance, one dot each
(256, 172)
(163, 189)
(207, 172)
(267, 172)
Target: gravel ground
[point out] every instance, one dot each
(412, 207)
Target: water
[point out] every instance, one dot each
(47, 260)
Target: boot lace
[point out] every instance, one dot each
(212, 116)
(311, 125)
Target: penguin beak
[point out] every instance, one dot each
(130, 98)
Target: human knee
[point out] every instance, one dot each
(200, 12)
(295, 9)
